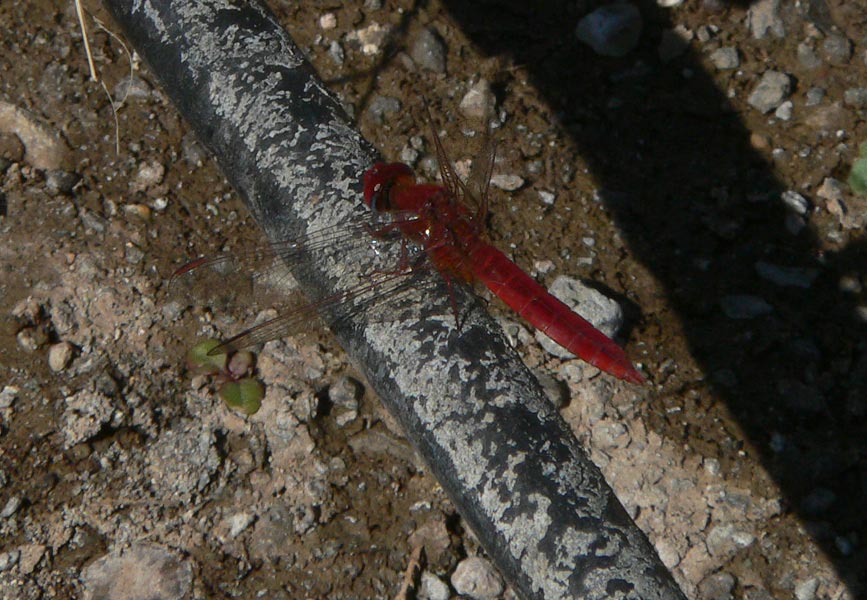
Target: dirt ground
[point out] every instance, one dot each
(723, 227)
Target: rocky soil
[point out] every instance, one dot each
(692, 167)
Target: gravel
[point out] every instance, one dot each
(770, 92)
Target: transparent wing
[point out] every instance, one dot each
(382, 287)
(261, 260)
(473, 193)
(227, 278)
(479, 182)
(451, 181)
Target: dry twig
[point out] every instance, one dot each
(412, 574)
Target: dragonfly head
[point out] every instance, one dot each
(380, 179)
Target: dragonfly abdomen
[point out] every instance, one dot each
(548, 314)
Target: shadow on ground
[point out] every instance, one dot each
(700, 207)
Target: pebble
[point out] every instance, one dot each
(30, 339)
(149, 174)
(784, 110)
(770, 92)
(8, 396)
(239, 522)
(328, 21)
(543, 267)
(132, 87)
(507, 182)
(383, 106)
(668, 553)
(571, 372)
(142, 571)
(409, 155)
(28, 310)
(603, 312)
(137, 211)
(795, 202)
(852, 214)
(807, 57)
(744, 306)
(831, 189)
(711, 466)
(92, 221)
(720, 540)
(429, 51)
(806, 590)
(335, 51)
(191, 150)
(611, 30)
(547, 198)
(743, 539)
(764, 18)
(30, 556)
(725, 58)
(370, 38)
(760, 141)
(554, 390)
(84, 416)
(60, 183)
(9, 559)
(814, 96)
(705, 33)
(837, 49)
(433, 588)
(855, 97)
(59, 356)
(11, 507)
(344, 394)
(718, 586)
(608, 435)
(476, 578)
(787, 276)
(479, 101)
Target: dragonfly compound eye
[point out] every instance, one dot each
(378, 182)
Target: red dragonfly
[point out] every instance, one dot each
(447, 221)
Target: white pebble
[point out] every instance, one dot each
(476, 578)
(508, 183)
(328, 21)
(59, 356)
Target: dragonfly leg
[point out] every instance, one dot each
(453, 300)
(380, 232)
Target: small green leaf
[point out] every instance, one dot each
(858, 177)
(244, 395)
(202, 363)
(862, 150)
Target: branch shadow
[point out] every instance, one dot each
(700, 206)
